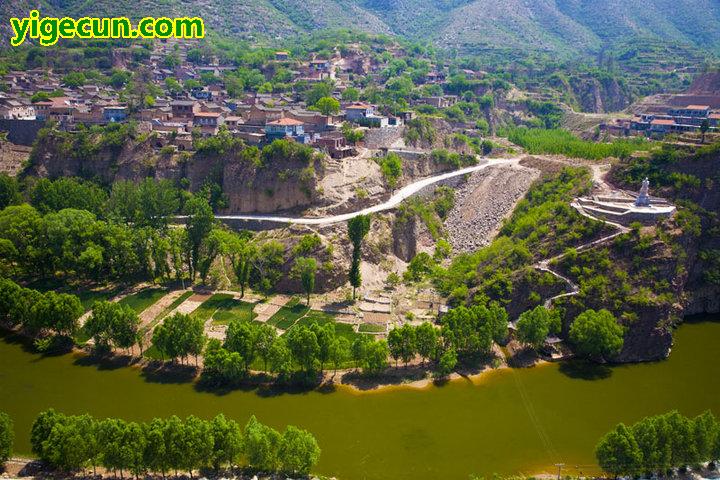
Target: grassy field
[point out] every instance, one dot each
(371, 328)
(89, 297)
(153, 353)
(223, 308)
(288, 315)
(296, 313)
(235, 309)
(205, 311)
(143, 299)
(322, 318)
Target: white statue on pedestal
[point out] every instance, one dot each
(643, 200)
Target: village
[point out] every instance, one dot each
(203, 106)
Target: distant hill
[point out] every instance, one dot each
(560, 27)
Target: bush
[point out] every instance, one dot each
(596, 335)
(6, 437)
(391, 168)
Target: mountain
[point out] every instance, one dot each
(560, 27)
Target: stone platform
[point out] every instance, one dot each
(621, 208)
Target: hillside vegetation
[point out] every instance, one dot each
(566, 27)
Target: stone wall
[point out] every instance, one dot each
(377, 138)
(21, 132)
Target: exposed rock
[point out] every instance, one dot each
(277, 186)
(405, 237)
(483, 202)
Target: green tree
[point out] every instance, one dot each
(358, 350)
(318, 91)
(200, 221)
(40, 431)
(351, 94)
(299, 451)
(242, 253)
(682, 442)
(427, 339)
(280, 358)
(58, 312)
(339, 351)
(113, 324)
(74, 79)
(241, 337)
(9, 191)
(7, 436)
(303, 343)
(358, 228)
(261, 446)
(179, 335)
(618, 452)
(306, 269)
(376, 356)
(9, 291)
(198, 444)
(534, 326)
(325, 335)
(705, 431)
(447, 363)
(265, 337)
(227, 442)
(402, 343)
(391, 168)
(68, 447)
(66, 192)
(155, 454)
(115, 454)
(646, 436)
(328, 106)
(597, 335)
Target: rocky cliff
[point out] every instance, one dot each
(281, 183)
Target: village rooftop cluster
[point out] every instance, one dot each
(256, 118)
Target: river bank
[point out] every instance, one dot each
(417, 375)
(511, 421)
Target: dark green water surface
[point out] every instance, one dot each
(508, 422)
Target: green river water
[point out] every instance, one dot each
(508, 422)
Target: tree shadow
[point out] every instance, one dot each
(583, 370)
(265, 385)
(105, 361)
(57, 346)
(168, 373)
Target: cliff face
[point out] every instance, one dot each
(689, 265)
(600, 95)
(277, 185)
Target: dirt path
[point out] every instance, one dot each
(153, 311)
(544, 265)
(266, 310)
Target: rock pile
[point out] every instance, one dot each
(483, 202)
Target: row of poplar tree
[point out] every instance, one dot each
(169, 445)
(660, 443)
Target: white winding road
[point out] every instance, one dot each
(393, 202)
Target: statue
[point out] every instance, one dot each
(643, 200)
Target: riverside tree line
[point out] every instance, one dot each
(659, 444)
(164, 445)
(465, 333)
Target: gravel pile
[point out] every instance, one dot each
(483, 202)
